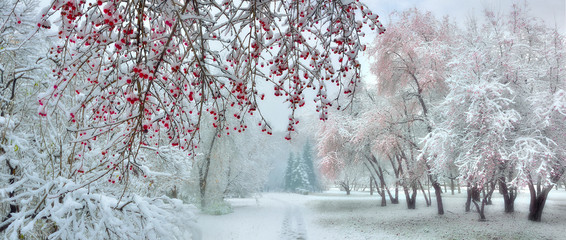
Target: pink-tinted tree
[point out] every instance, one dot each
(410, 65)
(339, 160)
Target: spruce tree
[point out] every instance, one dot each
(289, 172)
(308, 160)
(300, 178)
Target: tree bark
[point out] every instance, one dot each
(480, 209)
(437, 190)
(379, 173)
(371, 186)
(14, 207)
(396, 169)
(509, 195)
(395, 200)
(474, 195)
(489, 192)
(438, 193)
(204, 169)
(347, 190)
(451, 183)
(427, 200)
(411, 197)
(538, 200)
(468, 197)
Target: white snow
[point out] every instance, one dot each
(333, 215)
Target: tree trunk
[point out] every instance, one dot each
(480, 209)
(396, 169)
(383, 199)
(411, 197)
(371, 186)
(538, 200)
(452, 184)
(489, 192)
(428, 190)
(474, 195)
(427, 200)
(509, 195)
(379, 172)
(204, 169)
(438, 193)
(14, 207)
(382, 193)
(469, 197)
(396, 199)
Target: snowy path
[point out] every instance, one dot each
(273, 216)
(293, 226)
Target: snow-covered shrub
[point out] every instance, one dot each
(72, 211)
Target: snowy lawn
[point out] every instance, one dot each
(333, 215)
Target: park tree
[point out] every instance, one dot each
(297, 174)
(308, 159)
(411, 65)
(289, 172)
(505, 69)
(226, 167)
(539, 78)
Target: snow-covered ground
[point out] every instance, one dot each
(333, 215)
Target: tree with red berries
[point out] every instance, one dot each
(140, 68)
(133, 80)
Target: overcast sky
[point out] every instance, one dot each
(551, 11)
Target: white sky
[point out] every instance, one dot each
(551, 11)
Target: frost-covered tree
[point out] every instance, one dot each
(43, 194)
(297, 173)
(474, 134)
(132, 80)
(231, 165)
(539, 76)
(300, 175)
(410, 68)
(289, 172)
(308, 160)
(19, 83)
(505, 69)
(145, 67)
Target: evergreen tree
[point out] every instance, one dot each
(300, 177)
(297, 174)
(289, 172)
(308, 160)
